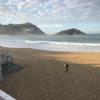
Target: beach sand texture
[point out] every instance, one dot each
(44, 76)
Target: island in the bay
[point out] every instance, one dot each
(72, 31)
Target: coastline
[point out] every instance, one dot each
(88, 43)
(44, 77)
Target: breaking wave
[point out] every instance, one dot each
(52, 45)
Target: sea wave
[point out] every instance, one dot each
(61, 43)
(52, 45)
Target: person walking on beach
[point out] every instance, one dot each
(66, 66)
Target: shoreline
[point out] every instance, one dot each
(52, 51)
(73, 57)
(44, 76)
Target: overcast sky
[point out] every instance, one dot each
(53, 15)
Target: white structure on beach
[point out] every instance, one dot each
(5, 59)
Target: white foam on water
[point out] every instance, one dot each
(51, 45)
(62, 43)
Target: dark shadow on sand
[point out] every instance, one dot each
(11, 68)
(47, 79)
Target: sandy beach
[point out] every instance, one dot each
(44, 76)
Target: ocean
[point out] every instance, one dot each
(73, 43)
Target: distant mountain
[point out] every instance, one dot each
(71, 32)
(26, 28)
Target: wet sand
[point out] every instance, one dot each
(44, 76)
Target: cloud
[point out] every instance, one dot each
(51, 28)
(20, 4)
(51, 25)
(3, 10)
(8, 15)
(50, 12)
